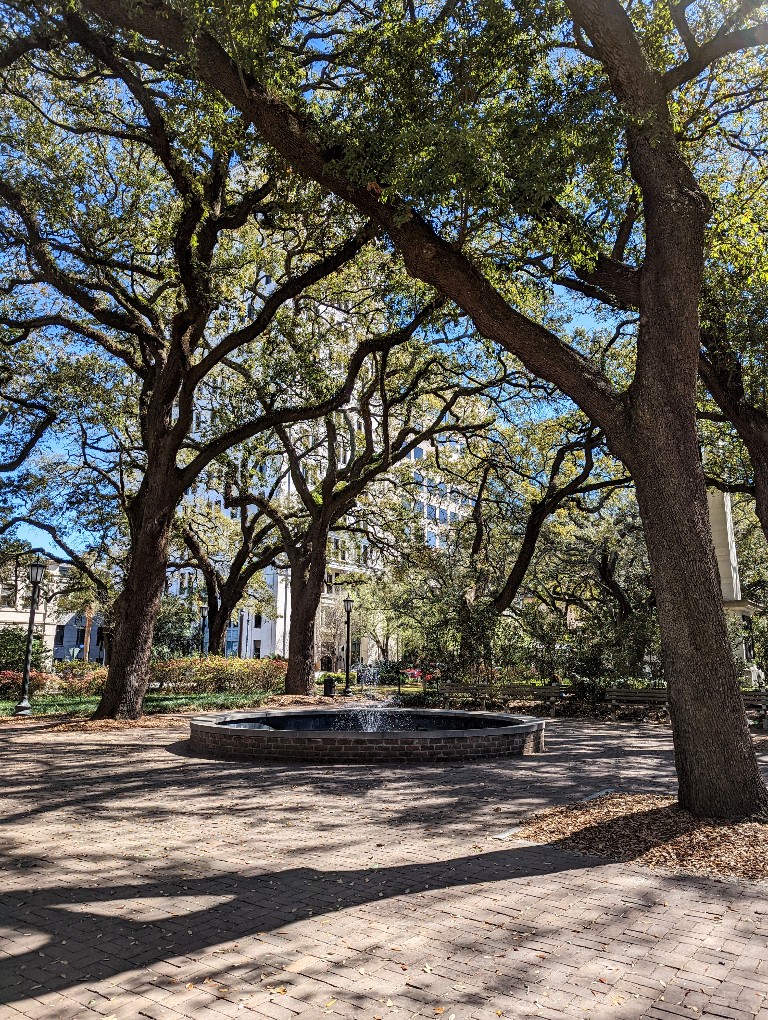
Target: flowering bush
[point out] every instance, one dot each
(65, 683)
(10, 683)
(77, 679)
(215, 675)
(212, 675)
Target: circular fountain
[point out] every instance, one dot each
(366, 734)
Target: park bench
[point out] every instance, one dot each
(637, 696)
(756, 698)
(484, 691)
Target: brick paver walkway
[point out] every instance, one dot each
(141, 882)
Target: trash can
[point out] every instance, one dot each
(329, 687)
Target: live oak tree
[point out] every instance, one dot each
(412, 393)
(513, 499)
(459, 593)
(139, 227)
(486, 96)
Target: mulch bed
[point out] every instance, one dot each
(651, 830)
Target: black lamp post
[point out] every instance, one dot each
(348, 603)
(203, 618)
(36, 574)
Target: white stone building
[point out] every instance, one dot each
(64, 634)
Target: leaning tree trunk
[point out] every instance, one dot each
(306, 590)
(135, 613)
(718, 775)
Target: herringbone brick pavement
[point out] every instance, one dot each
(138, 882)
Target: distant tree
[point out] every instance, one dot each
(177, 628)
(13, 645)
(413, 394)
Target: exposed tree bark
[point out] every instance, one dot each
(136, 610)
(606, 569)
(717, 771)
(307, 578)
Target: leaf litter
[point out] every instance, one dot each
(652, 830)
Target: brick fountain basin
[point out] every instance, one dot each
(364, 734)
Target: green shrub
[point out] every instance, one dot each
(340, 678)
(13, 646)
(75, 667)
(418, 699)
(215, 674)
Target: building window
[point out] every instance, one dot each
(419, 508)
(7, 596)
(58, 640)
(257, 621)
(431, 540)
(431, 512)
(454, 517)
(418, 453)
(257, 649)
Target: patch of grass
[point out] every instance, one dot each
(158, 702)
(155, 702)
(52, 704)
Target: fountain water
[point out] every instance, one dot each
(372, 716)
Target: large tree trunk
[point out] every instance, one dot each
(135, 613)
(220, 612)
(306, 590)
(218, 623)
(717, 771)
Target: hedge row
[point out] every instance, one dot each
(212, 675)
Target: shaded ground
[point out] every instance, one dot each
(141, 882)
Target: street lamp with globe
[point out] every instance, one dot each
(348, 603)
(36, 573)
(203, 618)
